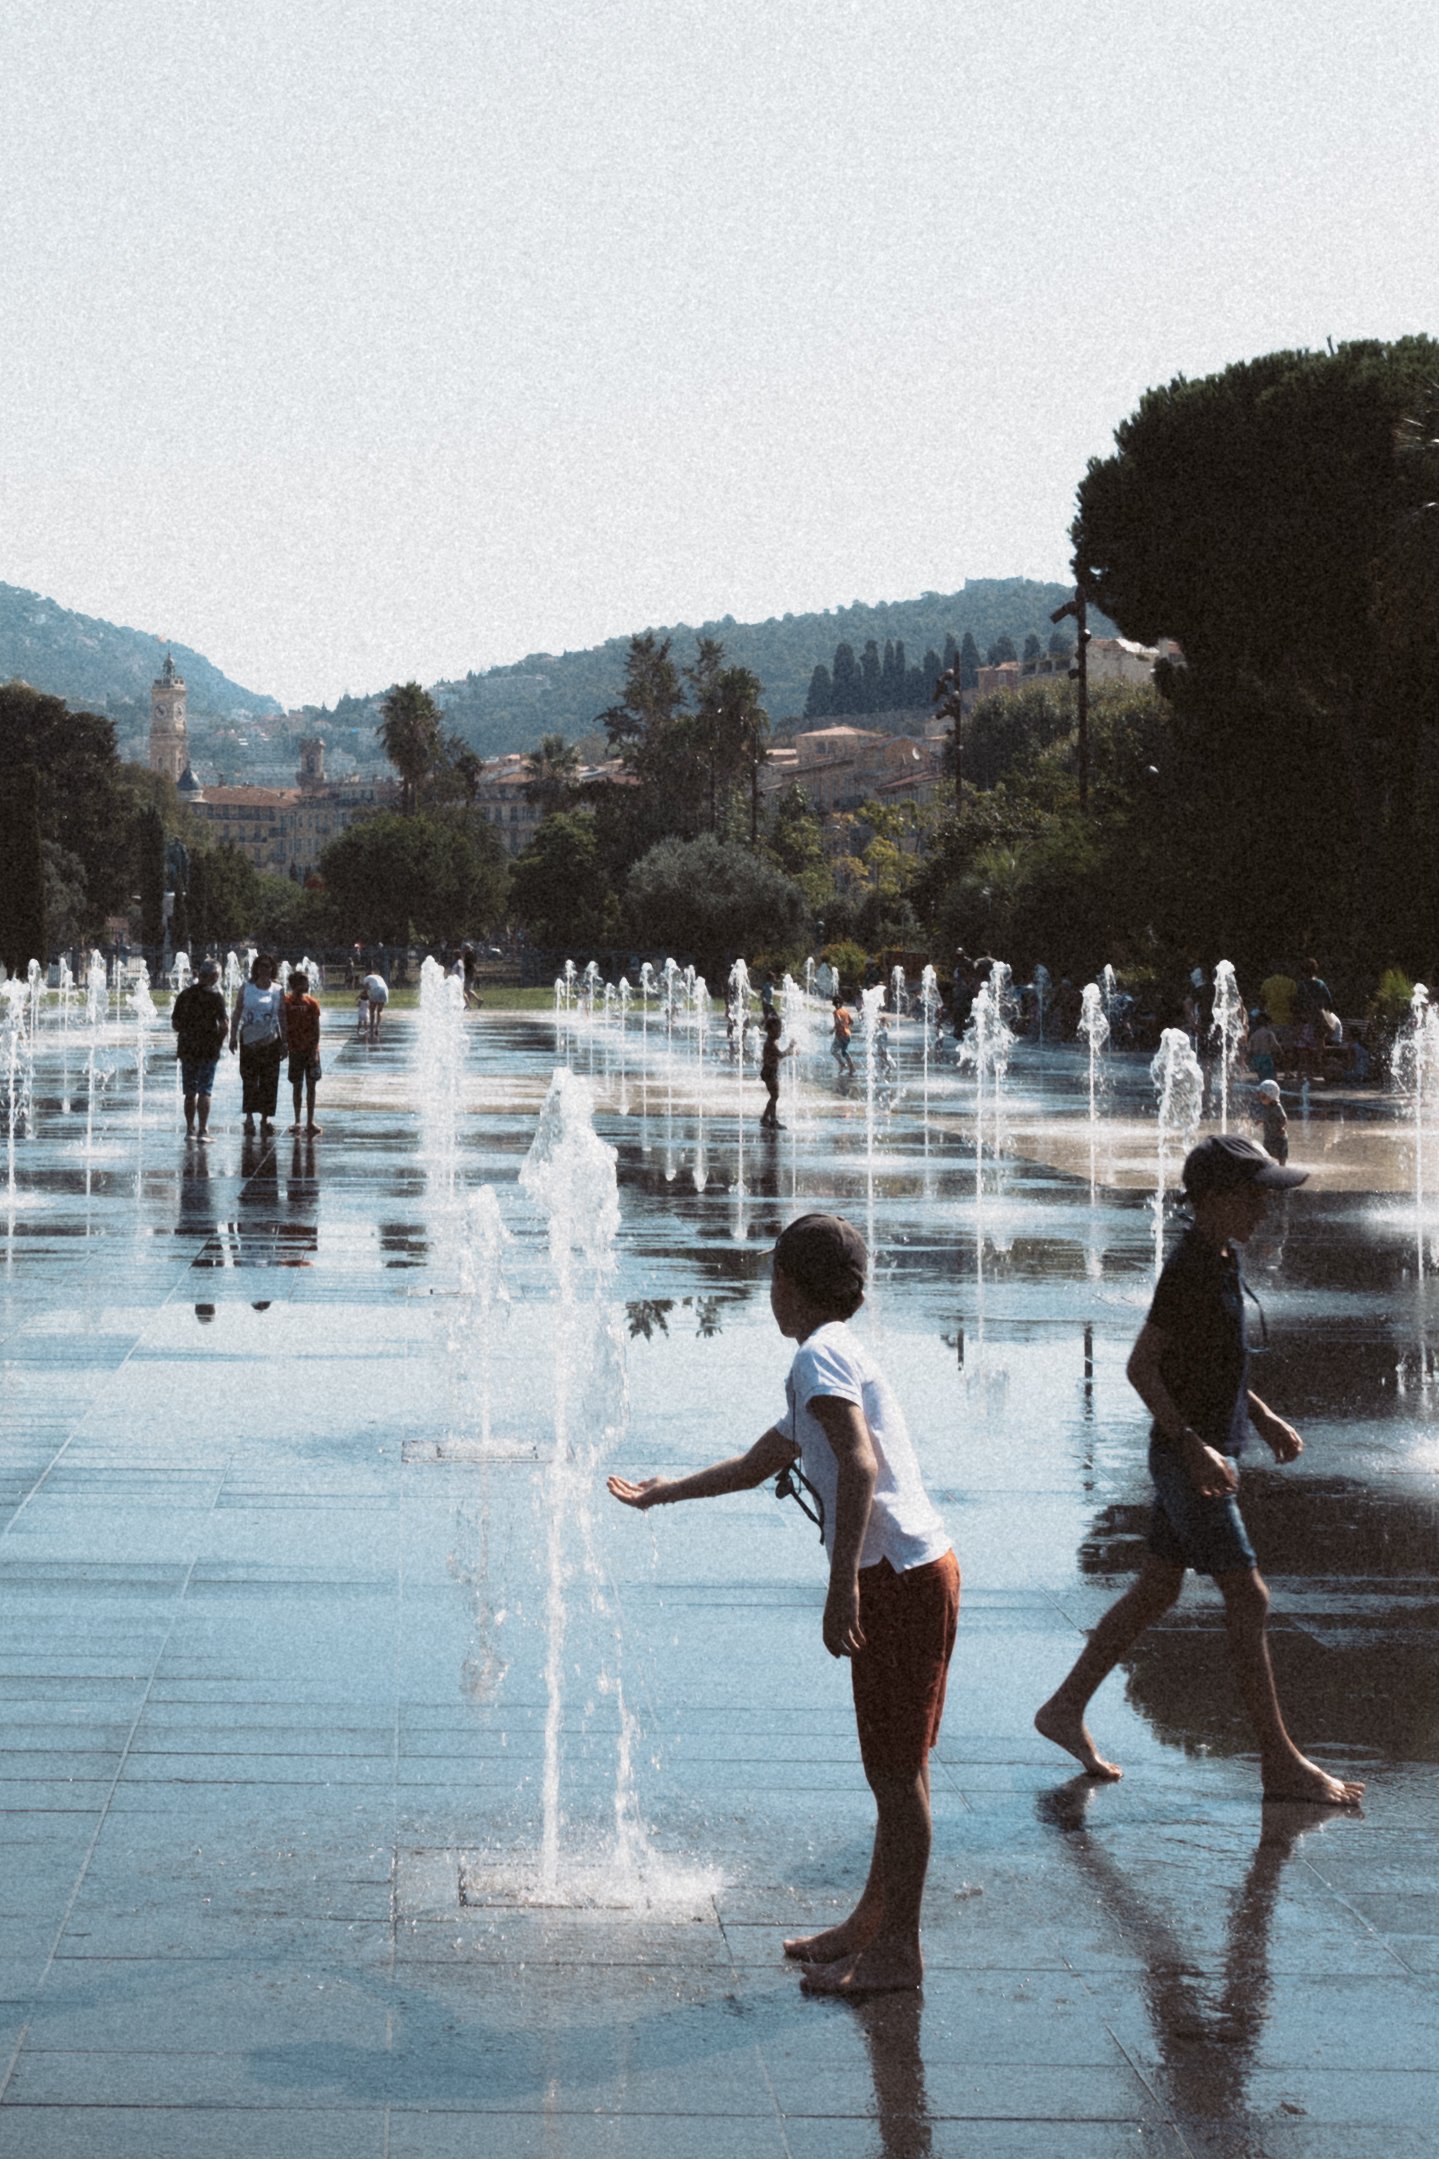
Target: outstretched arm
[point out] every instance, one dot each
(1280, 1438)
(741, 1473)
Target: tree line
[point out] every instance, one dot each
(884, 681)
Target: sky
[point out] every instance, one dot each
(350, 341)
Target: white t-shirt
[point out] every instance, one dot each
(378, 988)
(904, 1526)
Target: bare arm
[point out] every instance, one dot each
(771, 1453)
(235, 1017)
(1208, 1468)
(844, 1426)
(1280, 1438)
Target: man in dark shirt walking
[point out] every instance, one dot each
(200, 1022)
(1190, 1368)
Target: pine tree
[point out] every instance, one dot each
(820, 701)
(969, 662)
(871, 676)
(848, 685)
(1001, 651)
(1032, 648)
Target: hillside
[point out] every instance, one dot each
(509, 708)
(102, 667)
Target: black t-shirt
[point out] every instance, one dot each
(199, 1019)
(1199, 1309)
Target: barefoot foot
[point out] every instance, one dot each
(835, 1945)
(1067, 1728)
(1303, 1783)
(883, 1968)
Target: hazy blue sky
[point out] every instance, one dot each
(358, 341)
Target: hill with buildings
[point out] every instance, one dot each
(509, 708)
(101, 667)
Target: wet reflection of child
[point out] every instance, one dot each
(1190, 1369)
(893, 1601)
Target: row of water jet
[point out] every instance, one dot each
(17, 1059)
(1178, 1080)
(439, 1073)
(985, 1050)
(1415, 1069)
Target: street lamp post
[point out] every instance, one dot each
(1079, 674)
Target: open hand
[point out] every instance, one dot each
(640, 1495)
(843, 1636)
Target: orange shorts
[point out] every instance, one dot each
(909, 1622)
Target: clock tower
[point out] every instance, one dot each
(169, 748)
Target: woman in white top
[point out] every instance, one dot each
(257, 1029)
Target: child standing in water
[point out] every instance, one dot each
(1190, 1369)
(1273, 1124)
(771, 1056)
(893, 1601)
(302, 1028)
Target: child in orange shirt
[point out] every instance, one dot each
(302, 1026)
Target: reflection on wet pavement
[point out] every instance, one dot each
(274, 1663)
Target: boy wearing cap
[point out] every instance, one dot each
(893, 1601)
(1273, 1123)
(1190, 1369)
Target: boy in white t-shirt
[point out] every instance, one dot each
(893, 1602)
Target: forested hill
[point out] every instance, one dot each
(509, 708)
(101, 667)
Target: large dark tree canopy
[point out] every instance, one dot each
(1277, 520)
(1251, 515)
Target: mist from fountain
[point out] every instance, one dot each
(439, 1072)
(17, 1058)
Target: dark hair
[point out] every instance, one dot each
(825, 1258)
(264, 959)
(1311, 967)
(298, 974)
(773, 1023)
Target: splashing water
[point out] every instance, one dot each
(142, 1004)
(440, 1064)
(1179, 1084)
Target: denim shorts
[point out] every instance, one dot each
(1188, 1530)
(197, 1074)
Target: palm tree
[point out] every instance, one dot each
(551, 768)
(410, 733)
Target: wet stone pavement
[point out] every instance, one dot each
(273, 1628)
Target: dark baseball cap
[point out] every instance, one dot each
(825, 1256)
(1224, 1162)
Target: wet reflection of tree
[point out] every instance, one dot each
(1207, 2025)
(891, 2027)
(648, 1316)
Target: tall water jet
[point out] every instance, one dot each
(929, 1020)
(439, 1072)
(898, 996)
(1109, 994)
(142, 1004)
(97, 1003)
(1178, 1080)
(1415, 1068)
(988, 1041)
(1094, 1032)
(570, 1175)
(1226, 1031)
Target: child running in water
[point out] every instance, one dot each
(893, 1601)
(1190, 1369)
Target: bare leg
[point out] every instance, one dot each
(202, 1105)
(1287, 1773)
(1062, 1716)
(190, 1116)
(891, 1962)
